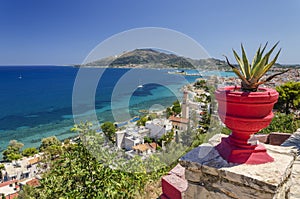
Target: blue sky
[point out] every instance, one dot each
(65, 31)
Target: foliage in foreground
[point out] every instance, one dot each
(77, 174)
(88, 170)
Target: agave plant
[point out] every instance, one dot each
(250, 74)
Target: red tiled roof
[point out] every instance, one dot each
(153, 145)
(33, 183)
(141, 147)
(178, 119)
(7, 183)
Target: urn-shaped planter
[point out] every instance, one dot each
(245, 113)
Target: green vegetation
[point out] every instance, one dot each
(149, 57)
(174, 110)
(176, 107)
(48, 142)
(289, 97)
(2, 167)
(80, 172)
(169, 112)
(143, 120)
(13, 151)
(166, 138)
(200, 84)
(29, 152)
(148, 139)
(282, 123)
(109, 130)
(51, 146)
(250, 74)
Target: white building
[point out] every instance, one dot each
(131, 136)
(158, 127)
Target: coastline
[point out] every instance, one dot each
(33, 126)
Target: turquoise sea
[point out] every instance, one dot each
(36, 101)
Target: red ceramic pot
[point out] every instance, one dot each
(245, 113)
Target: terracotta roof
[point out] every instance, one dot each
(33, 183)
(7, 183)
(153, 145)
(146, 146)
(34, 160)
(141, 147)
(178, 119)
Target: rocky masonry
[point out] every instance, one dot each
(294, 141)
(205, 174)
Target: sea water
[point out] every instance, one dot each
(36, 101)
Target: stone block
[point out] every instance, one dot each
(195, 191)
(278, 138)
(193, 175)
(179, 171)
(209, 174)
(262, 138)
(293, 141)
(173, 186)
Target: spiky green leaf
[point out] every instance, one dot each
(246, 63)
(255, 59)
(270, 52)
(268, 66)
(258, 69)
(259, 58)
(238, 59)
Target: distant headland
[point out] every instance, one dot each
(150, 58)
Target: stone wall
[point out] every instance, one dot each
(208, 175)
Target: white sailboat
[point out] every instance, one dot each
(140, 85)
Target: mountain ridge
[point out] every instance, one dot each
(150, 58)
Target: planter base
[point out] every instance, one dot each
(254, 155)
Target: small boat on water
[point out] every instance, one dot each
(184, 73)
(178, 72)
(140, 84)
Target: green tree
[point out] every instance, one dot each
(142, 121)
(51, 146)
(148, 139)
(176, 107)
(200, 84)
(169, 112)
(13, 151)
(29, 152)
(49, 141)
(289, 96)
(2, 167)
(109, 130)
(28, 192)
(167, 138)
